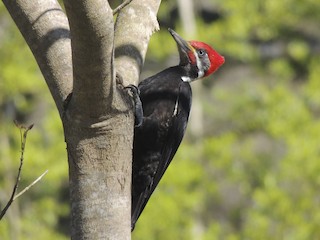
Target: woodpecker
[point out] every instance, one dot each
(166, 102)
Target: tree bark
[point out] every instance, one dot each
(98, 116)
(45, 28)
(134, 27)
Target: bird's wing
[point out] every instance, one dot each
(175, 134)
(170, 147)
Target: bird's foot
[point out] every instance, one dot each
(138, 113)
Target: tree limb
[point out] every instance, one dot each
(91, 26)
(45, 28)
(134, 27)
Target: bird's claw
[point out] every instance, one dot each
(138, 114)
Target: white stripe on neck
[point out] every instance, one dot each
(186, 79)
(199, 65)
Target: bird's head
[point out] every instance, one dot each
(199, 58)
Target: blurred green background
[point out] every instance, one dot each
(249, 165)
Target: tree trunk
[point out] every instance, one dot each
(76, 54)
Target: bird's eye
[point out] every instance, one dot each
(201, 52)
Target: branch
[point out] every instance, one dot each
(45, 28)
(91, 26)
(122, 5)
(30, 185)
(131, 39)
(23, 135)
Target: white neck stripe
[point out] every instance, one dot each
(186, 79)
(199, 65)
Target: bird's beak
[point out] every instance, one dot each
(183, 46)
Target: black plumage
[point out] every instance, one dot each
(166, 102)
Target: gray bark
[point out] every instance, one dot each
(134, 27)
(98, 121)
